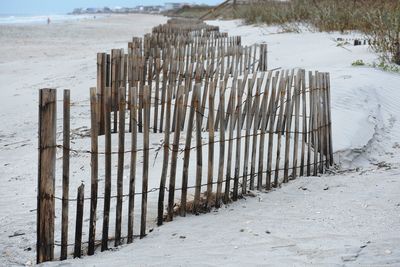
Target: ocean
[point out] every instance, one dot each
(41, 19)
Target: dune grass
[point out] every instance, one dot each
(378, 20)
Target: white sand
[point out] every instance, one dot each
(59, 55)
(346, 219)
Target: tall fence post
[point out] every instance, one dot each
(65, 182)
(46, 174)
(94, 102)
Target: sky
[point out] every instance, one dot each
(47, 7)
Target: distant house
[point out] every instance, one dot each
(106, 9)
(91, 10)
(171, 6)
(77, 11)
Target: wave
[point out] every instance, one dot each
(42, 19)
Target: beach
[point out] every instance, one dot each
(347, 217)
(61, 55)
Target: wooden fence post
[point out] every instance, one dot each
(282, 91)
(288, 115)
(132, 174)
(185, 173)
(210, 167)
(46, 175)
(79, 221)
(199, 155)
(175, 150)
(272, 114)
(107, 177)
(328, 102)
(120, 171)
(164, 171)
(65, 183)
(94, 131)
(238, 115)
(310, 123)
(304, 128)
(145, 181)
(221, 143)
(296, 95)
(230, 143)
(255, 112)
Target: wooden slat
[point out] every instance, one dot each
(65, 175)
(79, 221)
(271, 130)
(310, 124)
(238, 115)
(210, 166)
(296, 99)
(187, 155)
(199, 156)
(282, 90)
(174, 158)
(165, 158)
(304, 121)
(46, 175)
(120, 171)
(221, 144)
(288, 115)
(145, 173)
(94, 170)
(132, 174)
(107, 177)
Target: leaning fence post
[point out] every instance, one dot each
(164, 170)
(46, 175)
(174, 157)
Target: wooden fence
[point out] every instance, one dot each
(198, 93)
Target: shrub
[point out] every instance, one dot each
(379, 20)
(358, 62)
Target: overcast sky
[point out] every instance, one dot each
(44, 7)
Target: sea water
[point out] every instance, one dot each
(41, 19)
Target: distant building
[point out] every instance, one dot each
(171, 6)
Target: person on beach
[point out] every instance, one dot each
(48, 20)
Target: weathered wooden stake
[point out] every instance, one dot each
(65, 176)
(132, 174)
(175, 150)
(79, 221)
(163, 179)
(120, 171)
(199, 156)
(46, 175)
(145, 181)
(107, 177)
(221, 144)
(94, 169)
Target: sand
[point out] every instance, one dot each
(348, 217)
(60, 55)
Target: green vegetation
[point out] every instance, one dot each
(189, 11)
(358, 62)
(378, 20)
(382, 65)
(386, 67)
